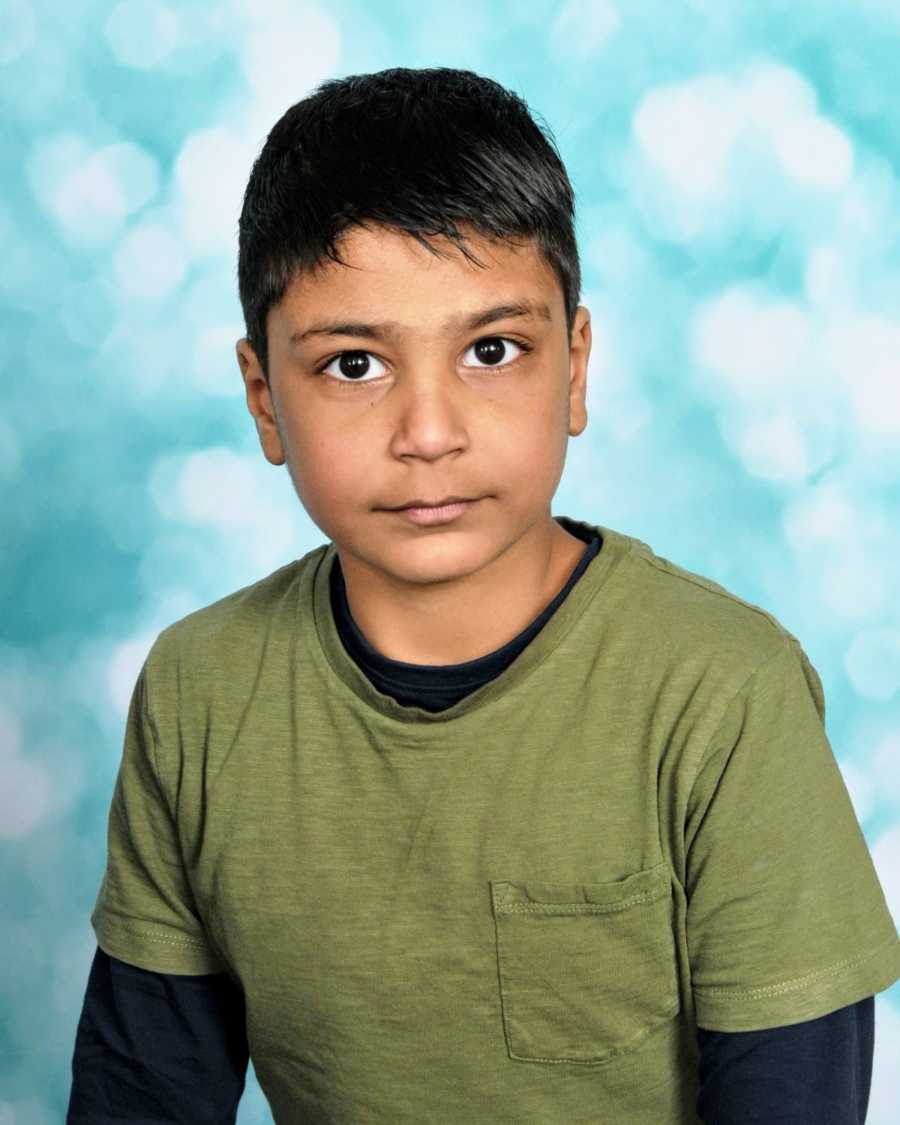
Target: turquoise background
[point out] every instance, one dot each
(738, 218)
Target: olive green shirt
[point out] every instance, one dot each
(515, 909)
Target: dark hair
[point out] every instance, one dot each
(419, 151)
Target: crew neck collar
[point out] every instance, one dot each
(569, 610)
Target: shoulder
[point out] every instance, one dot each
(692, 620)
(229, 634)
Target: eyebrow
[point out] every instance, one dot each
(390, 329)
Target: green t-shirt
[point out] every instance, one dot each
(515, 909)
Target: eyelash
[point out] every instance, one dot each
(526, 348)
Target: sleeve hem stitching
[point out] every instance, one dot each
(163, 940)
(797, 982)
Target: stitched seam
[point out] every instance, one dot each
(797, 982)
(698, 763)
(727, 594)
(612, 1052)
(154, 742)
(578, 907)
(161, 940)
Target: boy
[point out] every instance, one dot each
(473, 813)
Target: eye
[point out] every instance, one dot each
(354, 365)
(493, 349)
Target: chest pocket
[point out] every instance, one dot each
(586, 970)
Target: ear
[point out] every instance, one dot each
(579, 354)
(259, 402)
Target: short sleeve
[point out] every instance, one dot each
(145, 913)
(786, 917)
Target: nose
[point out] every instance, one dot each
(430, 418)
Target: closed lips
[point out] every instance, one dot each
(432, 503)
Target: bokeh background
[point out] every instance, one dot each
(736, 171)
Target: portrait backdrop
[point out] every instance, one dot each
(735, 168)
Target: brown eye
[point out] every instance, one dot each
(352, 366)
(492, 349)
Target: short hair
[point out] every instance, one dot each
(419, 151)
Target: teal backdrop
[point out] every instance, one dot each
(736, 171)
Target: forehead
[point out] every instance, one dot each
(390, 273)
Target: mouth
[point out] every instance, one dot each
(418, 503)
(427, 516)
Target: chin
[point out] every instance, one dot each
(436, 561)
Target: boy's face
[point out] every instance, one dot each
(423, 413)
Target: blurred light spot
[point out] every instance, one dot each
(224, 491)
(776, 95)
(873, 662)
(25, 791)
(883, 765)
(33, 1110)
(774, 448)
(815, 152)
(62, 760)
(286, 49)
(583, 27)
(855, 584)
(141, 33)
(616, 254)
(821, 517)
(121, 511)
(90, 193)
(868, 205)
(617, 407)
(690, 130)
(830, 276)
(865, 351)
(781, 104)
(753, 346)
(209, 202)
(150, 261)
(18, 32)
(51, 67)
(217, 486)
(124, 666)
(214, 365)
(885, 852)
(10, 732)
(861, 787)
(139, 353)
(687, 130)
(843, 533)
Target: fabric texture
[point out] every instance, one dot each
(515, 908)
(813, 1073)
(157, 1048)
(138, 1028)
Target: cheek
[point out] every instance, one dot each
(540, 423)
(337, 470)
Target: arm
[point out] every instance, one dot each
(818, 1072)
(157, 1048)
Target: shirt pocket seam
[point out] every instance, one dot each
(567, 955)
